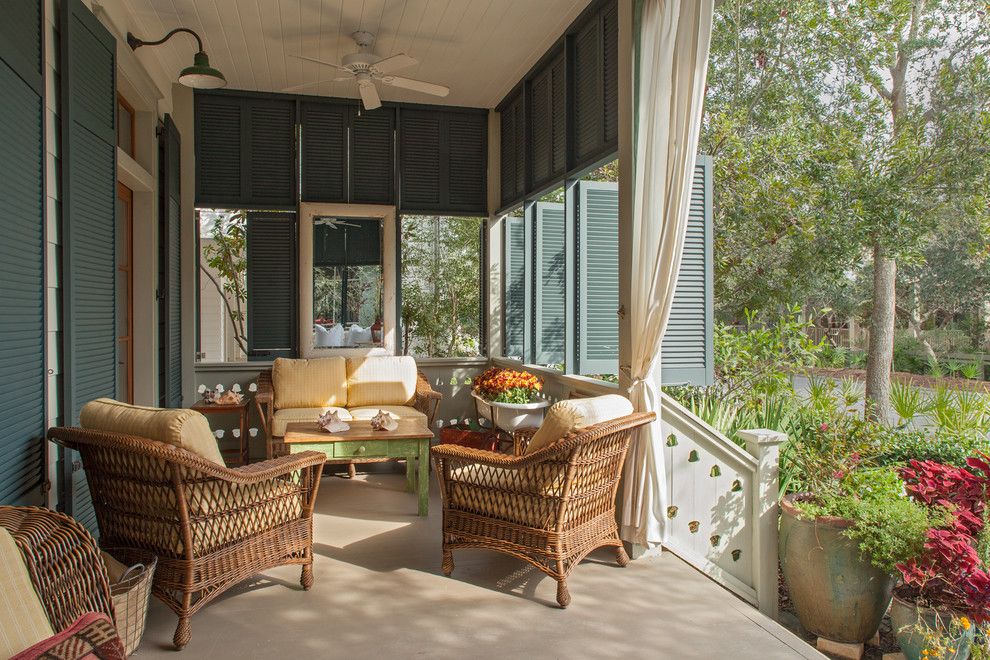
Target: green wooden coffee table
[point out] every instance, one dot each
(411, 441)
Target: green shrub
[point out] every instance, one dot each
(907, 355)
(935, 368)
(907, 401)
(972, 370)
(898, 446)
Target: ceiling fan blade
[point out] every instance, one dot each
(294, 88)
(394, 63)
(416, 85)
(369, 95)
(324, 63)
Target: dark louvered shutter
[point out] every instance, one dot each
(598, 278)
(22, 286)
(220, 151)
(686, 352)
(271, 285)
(551, 282)
(372, 156)
(548, 115)
(467, 171)
(420, 163)
(169, 268)
(513, 150)
(596, 86)
(323, 151)
(89, 193)
(515, 287)
(270, 166)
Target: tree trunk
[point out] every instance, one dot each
(881, 351)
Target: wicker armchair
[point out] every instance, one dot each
(210, 526)
(550, 508)
(63, 561)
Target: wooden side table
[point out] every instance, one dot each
(237, 456)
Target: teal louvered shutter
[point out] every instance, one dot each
(598, 278)
(421, 166)
(513, 150)
(220, 152)
(169, 267)
(372, 162)
(89, 193)
(516, 312)
(323, 151)
(686, 352)
(271, 285)
(550, 267)
(22, 251)
(467, 162)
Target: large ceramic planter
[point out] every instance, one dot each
(904, 616)
(510, 416)
(836, 592)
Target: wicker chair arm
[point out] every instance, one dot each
(277, 467)
(472, 455)
(426, 400)
(266, 390)
(521, 439)
(63, 561)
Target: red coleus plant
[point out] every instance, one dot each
(950, 574)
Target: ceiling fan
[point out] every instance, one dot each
(367, 68)
(332, 223)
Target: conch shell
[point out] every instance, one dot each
(229, 397)
(384, 422)
(331, 423)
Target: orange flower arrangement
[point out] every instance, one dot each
(507, 386)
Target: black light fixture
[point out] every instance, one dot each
(200, 75)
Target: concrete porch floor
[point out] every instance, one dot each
(379, 593)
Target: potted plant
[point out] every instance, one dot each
(841, 539)
(945, 590)
(507, 398)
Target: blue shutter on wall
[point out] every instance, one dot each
(515, 287)
(686, 353)
(548, 122)
(22, 251)
(551, 283)
(598, 278)
(89, 193)
(323, 151)
(372, 156)
(512, 118)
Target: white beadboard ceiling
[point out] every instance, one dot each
(478, 48)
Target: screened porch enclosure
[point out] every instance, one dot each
(162, 241)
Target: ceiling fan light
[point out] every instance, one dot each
(201, 75)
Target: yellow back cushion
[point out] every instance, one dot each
(315, 383)
(573, 414)
(380, 380)
(178, 427)
(24, 622)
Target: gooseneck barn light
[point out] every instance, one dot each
(198, 76)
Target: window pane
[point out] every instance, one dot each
(222, 285)
(441, 286)
(347, 282)
(515, 298)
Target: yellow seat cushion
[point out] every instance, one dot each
(567, 416)
(23, 621)
(309, 383)
(178, 427)
(380, 380)
(399, 412)
(286, 416)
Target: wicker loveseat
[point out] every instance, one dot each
(549, 507)
(210, 526)
(356, 388)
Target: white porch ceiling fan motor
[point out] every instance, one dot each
(368, 69)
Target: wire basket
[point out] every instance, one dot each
(131, 576)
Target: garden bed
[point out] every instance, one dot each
(929, 382)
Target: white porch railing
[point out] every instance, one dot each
(722, 503)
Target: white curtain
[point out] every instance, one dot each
(670, 68)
